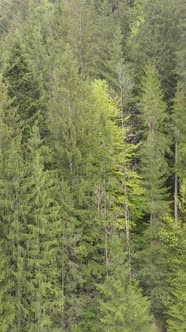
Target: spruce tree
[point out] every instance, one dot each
(71, 142)
(43, 232)
(154, 145)
(173, 238)
(156, 37)
(180, 57)
(122, 306)
(12, 250)
(154, 170)
(23, 87)
(109, 45)
(178, 117)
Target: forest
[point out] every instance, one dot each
(93, 166)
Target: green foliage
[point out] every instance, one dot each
(180, 55)
(179, 119)
(122, 306)
(43, 233)
(154, 169)
(155, 38)
(23, 87)
(155, 143)
(173, 237)
(12, 251)
(86, 165)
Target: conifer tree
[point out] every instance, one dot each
(154, 145)
(75, 116)
(109, 45)
(75, 23)
(180, 130)
(23, 87)
(180, 56)
(71, 138)
(178, 117)
(109, 185)
(173, 238)
(72, 207)
(12, 251)
(156, 38)
(122, 306)
(153, 168)
(42, 240)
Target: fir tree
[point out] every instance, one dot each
(155, 144)
(23, 87)
(154, 168)
(43, 240)
(121, 302)
(12, 251)
(173, 239)
(180, 130)
(69, 125)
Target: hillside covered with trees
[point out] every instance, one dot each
(93, 166)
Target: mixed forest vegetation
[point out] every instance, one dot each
(93, 166)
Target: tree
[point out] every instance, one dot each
(153, 169)
(178, 118)
(122, 306)
(173, 239)
(43, 232)
(12, 253)
(180, 48)
(154, 145)
(155, 38)
(23, 87)
(70, 125)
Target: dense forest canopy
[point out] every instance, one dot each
(93, 166)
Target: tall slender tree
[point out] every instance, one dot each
(153, 168)
(12, 170)
(43, 230)
(155, 144)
